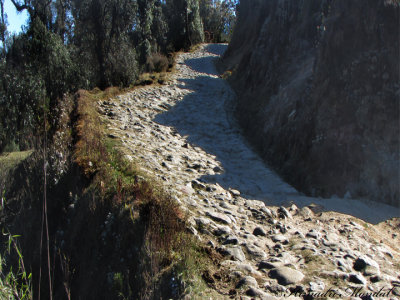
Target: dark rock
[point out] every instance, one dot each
(231, 240)
(366, 265)
(268, 265)
(217, 169)
(314, 80)
(259, 231)
(357, 278)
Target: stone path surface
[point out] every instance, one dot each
(273, 240)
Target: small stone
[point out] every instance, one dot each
(357, 278)
(217, 169)
(317, 286)
(305, 212)
(217, 217)
(293, 208)
(253, 292)
(366, 265)
(211, 244)
(375, 279)
(267, 211)
(314, 234)
(284, 213)
(222, 230)
(269, 265)
(236, 253)
(198, 185)
(259, 231)
(255, 251)
(235, 193)
(231, 240)
(247, 281)
(286, 276)
(279, 238)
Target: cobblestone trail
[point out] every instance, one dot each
(272, 237)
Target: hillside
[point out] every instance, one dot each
(318, 93)
(132, 167)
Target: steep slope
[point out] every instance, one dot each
(183, 133)
(318, 92)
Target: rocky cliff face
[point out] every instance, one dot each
(318, 92)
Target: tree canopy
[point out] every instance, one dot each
(71, 44)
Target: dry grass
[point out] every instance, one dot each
(9, 161)
(12, 159)
(118, 181)
(157, 62)
(152, 78)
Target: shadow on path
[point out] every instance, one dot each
(204, 115)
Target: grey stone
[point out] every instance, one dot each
(357, 278)
(284, 213)
(253, 292)
(222, 230)
(280, 239)
(217, 217)
(247, 281)
(286, 276)
(231, 240)
(236, 253)
(259, 231)
(217, 169)
(305, 212)
(246, 268)
(314, 234)
(317, 286)
(269, 265)
(198, 185)
(202, 221)
(366, 265)
(235, 193)
(254, 251)
(268, 212)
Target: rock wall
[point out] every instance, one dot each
(318, 92)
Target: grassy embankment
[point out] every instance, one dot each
(169, 247)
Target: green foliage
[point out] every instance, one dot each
(102, 37)
(22, 95)
(11, 147)
(186, 28)
(218, 18)
(14, 284)
(72, 44)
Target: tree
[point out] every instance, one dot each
(185, 26)
(102, 28)
(218, 17)
(3, 23)
(40, 9)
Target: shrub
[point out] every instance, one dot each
(157, 63)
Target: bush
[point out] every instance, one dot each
(22, 99)
(121, 65)
(157, 63)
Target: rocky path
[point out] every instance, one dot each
(274, 241)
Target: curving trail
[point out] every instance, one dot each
(195, 108)
(183, 133)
